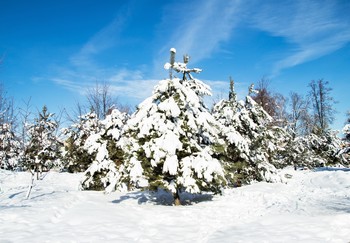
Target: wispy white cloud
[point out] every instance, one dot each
(135, 89)
(83, 71)
(68, 84)
(129, 84)
(199, 29)
(313, 28)
(106, 38)
(126, 74)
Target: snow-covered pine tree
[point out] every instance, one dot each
(280, 140)
(316, 150)
(106, 169)
(330, 148)
(268, 142)
(253, 145)
(43, 146)
(345, 153)
(346, 129)
(9, 147)
(76, 155)
(170, 139)
(236, 156)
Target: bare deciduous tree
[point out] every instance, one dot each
(322, 103)
(299, 116)
(264, 97)
(273, 103)
(7, 114)
(100, 99)
(124, 108)
(75, 113)
(280, 110)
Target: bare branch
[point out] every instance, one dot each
(323, 104)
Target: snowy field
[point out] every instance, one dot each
(309, 207)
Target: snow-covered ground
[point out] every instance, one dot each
(309, 207)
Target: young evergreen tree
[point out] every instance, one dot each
(314, 150)
(172, 139)
(9, 144)
(269, 141)
(237, 151)
(331, 148)
(345, 152)
(42, 150)
(76, 155)
(105, 171)
(254, 147)
(9, 147)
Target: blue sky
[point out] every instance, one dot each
(53, 51)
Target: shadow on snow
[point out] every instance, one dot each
(4, 207)
(162, 197)
(331, 169)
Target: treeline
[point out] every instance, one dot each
(312, 113)
(173, 141)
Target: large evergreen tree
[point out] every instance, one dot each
(171, 138)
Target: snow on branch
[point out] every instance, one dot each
(179, 66)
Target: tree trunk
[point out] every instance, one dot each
(176, 196)
(30, 185)
(40, 171)
(37, 171)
